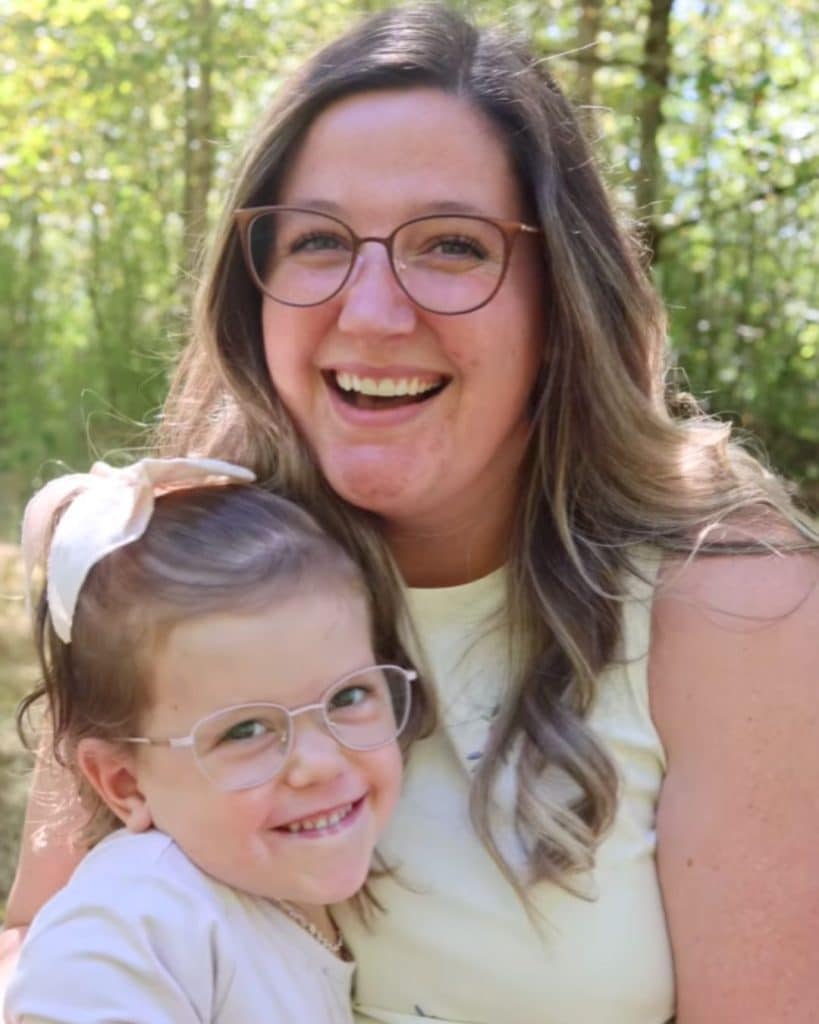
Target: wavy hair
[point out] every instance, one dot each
(618, 457)
(206, 550)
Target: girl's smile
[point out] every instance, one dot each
(323, 823)
(307, 834)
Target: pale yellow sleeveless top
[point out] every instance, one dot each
(455, 943)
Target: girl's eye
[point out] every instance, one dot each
(250, 729)
(348, 697)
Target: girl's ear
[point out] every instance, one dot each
(111, 771)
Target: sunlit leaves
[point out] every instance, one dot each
(96, 101)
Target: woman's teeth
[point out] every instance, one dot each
(325, 821)
(385, 387)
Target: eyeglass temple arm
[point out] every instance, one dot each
(176, 741)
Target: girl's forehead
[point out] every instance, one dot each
(288, 651)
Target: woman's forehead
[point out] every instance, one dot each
(420, 150)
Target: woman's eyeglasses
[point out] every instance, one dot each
(245, 745)
(445, 263)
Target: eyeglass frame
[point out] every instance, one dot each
(189, 742)
(510, 230)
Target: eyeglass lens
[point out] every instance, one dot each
(445, 264)
(244, 746)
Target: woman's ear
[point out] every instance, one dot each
(111, 771)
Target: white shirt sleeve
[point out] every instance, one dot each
(138, 953)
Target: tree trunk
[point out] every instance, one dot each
(198, 135)
(588, 28)
(655, 70)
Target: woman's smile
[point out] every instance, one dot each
(417, 416)
(365, 387)
(378, 399)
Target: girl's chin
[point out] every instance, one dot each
(328, 891)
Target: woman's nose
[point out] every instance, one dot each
(372, 300)
(315, 756)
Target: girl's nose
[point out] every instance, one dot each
(372, 300)
(315, 756)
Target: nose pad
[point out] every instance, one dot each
(315, 755)
(372, 299)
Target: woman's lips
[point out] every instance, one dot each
(366, 384)
(384, 400)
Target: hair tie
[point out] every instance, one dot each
(111, 508)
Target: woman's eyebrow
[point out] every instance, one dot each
(435, 206)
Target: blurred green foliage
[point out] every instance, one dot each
(121, 121)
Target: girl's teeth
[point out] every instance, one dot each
(312, 824)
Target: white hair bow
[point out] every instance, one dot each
(112, 508)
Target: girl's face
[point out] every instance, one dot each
(288, 654)
(376, 160)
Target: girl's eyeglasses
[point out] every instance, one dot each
(445, 263)
(247, 744)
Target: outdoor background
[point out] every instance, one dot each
(120, 123)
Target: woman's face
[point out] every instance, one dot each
(375, 160)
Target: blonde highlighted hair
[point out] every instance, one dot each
(617, 457)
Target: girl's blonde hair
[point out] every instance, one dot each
(231, 549)
(618, 457)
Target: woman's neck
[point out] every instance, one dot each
(446, 554)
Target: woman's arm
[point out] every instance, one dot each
(50, 848)
(49, 852)
(10, 941)
(735, 695)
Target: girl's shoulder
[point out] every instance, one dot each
(131, 928)
(138, 881)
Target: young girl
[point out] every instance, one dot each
(219, 680)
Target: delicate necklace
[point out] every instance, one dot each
(296, 915)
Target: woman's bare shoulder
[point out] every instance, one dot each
(727, 629)
(734, 681)
(754, 587)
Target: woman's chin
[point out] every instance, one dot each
(379, 485)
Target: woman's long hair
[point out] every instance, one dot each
(617, 457)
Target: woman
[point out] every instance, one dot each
(427, 326)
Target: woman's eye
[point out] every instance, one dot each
(318, 241)
(250, 729)
(457, 246)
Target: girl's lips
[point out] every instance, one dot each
(326, 823)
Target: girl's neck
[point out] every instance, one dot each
(313, 915)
